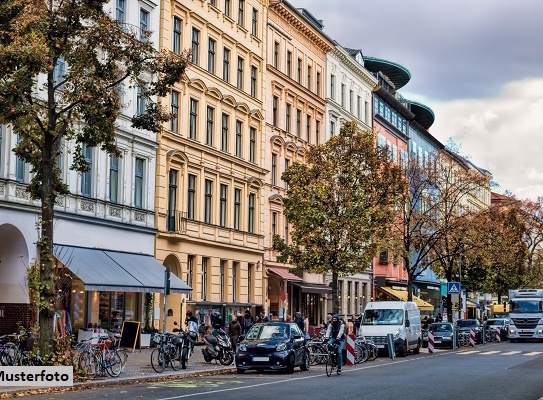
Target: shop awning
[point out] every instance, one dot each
(472, 304)
(114, 271)
(307, 287)
(284, 274)
(402, 295)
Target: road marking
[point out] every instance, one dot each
(487, 353)
(510, 353)
(533, 353)
(469, 352)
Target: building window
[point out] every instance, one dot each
(224, 133)
(241, 12)
(176, 47)
(332, 87)
(190, 270)
(86, 177)
(299, 123)
(287, 164)
(249, 282)
(144, 25)
(240, 73)
(358, 107)
(227, 8)
(252, 144)
(287, 118)
(274, 223)
(367, 113)
(299, 76)
(274, 111)
(191, 196)
(211, 57)
(317, 132)
(286, 231)
(192, 118)
(209, 125)
(237, 208)
(212, 2)
(208, 201)
(195, 45)
(120, 11)
(140, 101)
(318, 88)
(308, 129)
(174, 122)
(309, 77)
(226, 65)
(383, 257)
(114, 179)
(235, 267)
(222, 267)
(332, 128)
(254, 20)
(276, 54)
(138, 183)
(59, 73)
(251, 215)
(172, 199)
(204, 278)
(238, 138)
(222, 207)
(253, 81)
(274, 169)
(343, 95)
(289, 64)
(351, 102)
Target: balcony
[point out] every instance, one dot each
(177, 221)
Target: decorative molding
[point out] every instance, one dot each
(139, 216)
(349, 62)
(87, 206)
(115, 212)
(21, 193)
(59, 201)
(2, 189)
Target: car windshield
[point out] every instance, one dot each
(495, 322)
(466, 323)
(267, 332)
(440, 328)
(525, 306)
(383, 317)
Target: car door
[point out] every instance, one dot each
(297, 339)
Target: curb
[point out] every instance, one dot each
(78, 386)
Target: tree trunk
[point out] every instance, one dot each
(409, 280)
(448, 276)
(335, 302)
(47, 260)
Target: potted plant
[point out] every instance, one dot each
(148, 330)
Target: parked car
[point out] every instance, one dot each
(443, 334)
(503, 323)
(273, 346)
(465, 325)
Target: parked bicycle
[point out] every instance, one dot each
(168, 352)
(364, 350)
(24, 355)
(8, 350)
(99, 359)
(317, 349)
(463, 339)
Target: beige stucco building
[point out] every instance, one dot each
(209, 186)
(295, 111)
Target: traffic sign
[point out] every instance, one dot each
(453, 287)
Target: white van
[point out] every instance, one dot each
(401, 318)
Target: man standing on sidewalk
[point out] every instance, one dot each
(234, 331)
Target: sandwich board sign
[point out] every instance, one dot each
(453, 288)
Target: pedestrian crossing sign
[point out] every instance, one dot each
(453, 287)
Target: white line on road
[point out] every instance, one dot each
(510, 353)
(470, 352)
(487, 353)
(533, 353)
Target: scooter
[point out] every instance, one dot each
(218, 347)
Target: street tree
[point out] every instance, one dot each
(532, 213)
(341, 204)
(61, 64)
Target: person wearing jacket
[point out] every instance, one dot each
(234, 331)
(335, 332)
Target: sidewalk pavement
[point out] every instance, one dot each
(138, 369)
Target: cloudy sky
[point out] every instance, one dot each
(477, 63)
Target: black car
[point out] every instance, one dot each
(443, 334)
(273, 346)
(465, 325)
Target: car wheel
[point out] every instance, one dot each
(402, 350)
(290, 366)
(416, 350)
(305, 363)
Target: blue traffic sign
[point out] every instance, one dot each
(453, 288)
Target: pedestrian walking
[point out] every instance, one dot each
(306, 327)
(234, 331)
(299, 320)
(248, 321)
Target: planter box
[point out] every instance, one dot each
(145, 340)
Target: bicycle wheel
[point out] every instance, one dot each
(184, 357)
(113, 363)
(87, 364)
(156, 360)
(329, 365)
(175, 357)
(361, 353)
(124, 357)
(9, 354)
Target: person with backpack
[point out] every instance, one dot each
(248, 321)
(336, 333)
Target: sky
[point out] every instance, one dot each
(478, 64)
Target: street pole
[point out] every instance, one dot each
(166, 292)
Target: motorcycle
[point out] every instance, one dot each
(218, 347)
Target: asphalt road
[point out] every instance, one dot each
(493, 371)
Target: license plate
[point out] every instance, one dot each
(381, 346)
(261, 359)
(437, 341)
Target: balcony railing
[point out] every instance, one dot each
(177, 221)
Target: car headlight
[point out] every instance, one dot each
(397, 334)
(243, 347)
(281, 346)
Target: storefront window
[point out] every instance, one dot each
(113, 309)
(78, 305)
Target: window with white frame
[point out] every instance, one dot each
(224, 132)
(211, 56)
(86, 177)
(144, 25)
(191, 194)
(141, 103)
(223, 204)
(252, 144)
(174, 122)
(120, 14)
(114, 179)
(208, 201)
(195, 45)
(20, 170)
(241, 12)
(254, 22)
(209, 125)
(251, 214)
(238, 138)
(176, 46)
(139, 182)
(193, 121)
(240, 74)
(237, 208)
(226, 65)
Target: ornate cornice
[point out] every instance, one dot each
(354, 67)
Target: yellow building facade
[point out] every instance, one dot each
(209, 183)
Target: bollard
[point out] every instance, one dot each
(498, 334)
(350, 349)
(391, 349)
(431, 342)
(483, 336)
(472, 338)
